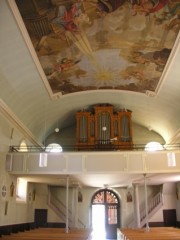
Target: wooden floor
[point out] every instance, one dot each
(49, 234)
(154, 233)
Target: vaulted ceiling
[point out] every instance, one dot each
(95, 52)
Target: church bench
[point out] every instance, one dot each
(161, 233)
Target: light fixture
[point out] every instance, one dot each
(104, 128)
(56, 130)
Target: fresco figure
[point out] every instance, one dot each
(108, 6)
(66, 18)
(65, 64)
(104, 44)
(145, 7)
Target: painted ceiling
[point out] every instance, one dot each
(92, 45)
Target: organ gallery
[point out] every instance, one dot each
(104, 128)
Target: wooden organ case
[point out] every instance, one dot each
(104, 129)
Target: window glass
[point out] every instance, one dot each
(153, 146)
(23, 146)
(21, 190)
(53, 147)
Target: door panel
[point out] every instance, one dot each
(111, 221)
(40, 217)
(169, 217)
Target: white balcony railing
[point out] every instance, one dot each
(92, 162)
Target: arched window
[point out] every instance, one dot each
(105, 213)
(53, 147)
(105, 196)
(23, 146)
(153, 146)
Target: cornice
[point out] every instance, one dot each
(8, 113)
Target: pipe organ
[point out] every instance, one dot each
(103, 128)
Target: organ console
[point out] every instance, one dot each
(103, 128)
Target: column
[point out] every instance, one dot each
(146, 203)
(67, 204)
(75, 205)
(136, 206)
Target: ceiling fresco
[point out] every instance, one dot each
(93, 45)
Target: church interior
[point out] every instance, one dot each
(89, 117)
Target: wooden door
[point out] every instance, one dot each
(169, 217)
(111, 221)
(40, 217)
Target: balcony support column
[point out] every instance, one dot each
(67, 204)
(75, 205)
(136, 206)
(146, 204)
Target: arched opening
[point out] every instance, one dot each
(153, 146)
(54, 147)
(105, 214)
(23, 146)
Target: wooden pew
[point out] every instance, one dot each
(50, 234)
(161, 233)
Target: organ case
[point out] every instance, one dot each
(103, 128)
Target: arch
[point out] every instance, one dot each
(54, 147)
(105, 196)
(153, 146)
(23, 146)
(110, 201)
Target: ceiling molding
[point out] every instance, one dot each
(175, 139)
(28, 42)
(168, 64)
(7, 113)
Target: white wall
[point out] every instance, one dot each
(24, 212)
(178, 201)
(67, 136)
(16, 212)
(169, 201)
(41, 202)
(84, 207)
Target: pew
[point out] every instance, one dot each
(160, 233)
(49, 234)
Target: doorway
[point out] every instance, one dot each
(40, 217)
(105, 214)
(170, 219)
(98, 221)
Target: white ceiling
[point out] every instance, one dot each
(25, 99)
(104, 180)
(24, 92)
